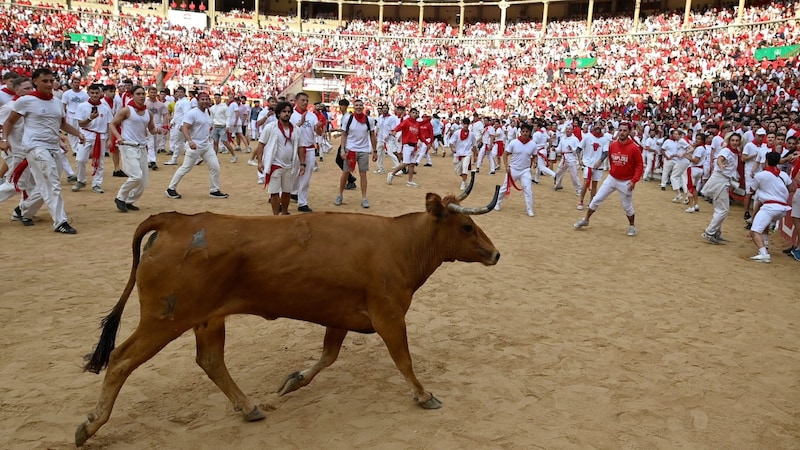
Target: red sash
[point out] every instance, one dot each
(17, 174)
(97, 152)
(501, 146)
(588, 176)
(267, 177)
(775, 202)
(689, 184)
(510, 182)
(351, 160)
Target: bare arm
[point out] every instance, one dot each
(13, 117)
(69, 129)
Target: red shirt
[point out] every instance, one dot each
(409, 131)
(626, 160)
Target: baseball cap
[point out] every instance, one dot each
(761, 132)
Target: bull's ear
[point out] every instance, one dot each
(434, 205)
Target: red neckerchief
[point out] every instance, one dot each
(464, 134)
(773, 170)
(795, 169)
(598, 136)
(41, 96)
(386, 115)
(8, 91)
(110, 101)
(94, 102)
(733, 150)
(524, 140)
(302, 113)
(15, 98)
(291, 130)
(137, 107)
(361, 118)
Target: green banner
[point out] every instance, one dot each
(773, 53)
(423, 62)
(582, 63)
(88, 38)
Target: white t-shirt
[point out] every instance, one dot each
(100, 123)
(750, 149)
(521, 154)
(462, 147)
(71, 100)
(306, 131)
(358, 135)
(182, 107)
(15, 138)
(219, 114)
(702, 152)
(592, 148)
(731, 163)
(568, 146)
(233, 115)
(42, 121)
(771, 187)
(199, 126)
(385, 126)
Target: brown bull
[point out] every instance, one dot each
(186, 281)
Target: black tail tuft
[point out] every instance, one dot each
(99, 359)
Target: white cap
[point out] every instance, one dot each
(761, 132)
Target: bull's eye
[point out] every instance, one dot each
(467, 227)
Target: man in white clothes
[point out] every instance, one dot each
(219, 123)
(717, 188)
(277, 153)
(385, 146)
(93, 118)
(234, 127)
(487, 141)
(774, 188)
(130, 126)
(567, 149)
(698, 160)
(44, 120)
(751, 153)
(358, 144)
(71, 100)
(196, 130)
(308, 127)
(176, 138)
(518, 159)
(7, 92)
(498, 144)
(156, 142)
(18, 179)
(668, 151)
(650, 145)
(679, 178)
(593, 147)
(266, 116)
(462, 146)
(541, 140)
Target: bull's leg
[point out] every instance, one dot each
(211, 358)
(143, 344)
(330, 351)
(393, 333)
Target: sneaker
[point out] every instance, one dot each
(497, 207)
(796, 254)
(305, 209)
(788, 251)
(199, 161)
(761, 258)
(78, 186)
(631, 230)
(379, 171)
(530, 213)
(710, 238)
(747, 215)
(678, 198)
(72, 179)
(17, 215)
(721, 239)
(26, 221)
(252, 162)
(224, 150)
(172, 193)
(170, 163)
(350, 187)
(153, 166)
(581, 223)
(293, 197)
(492, 172)
(248, 150)
(389, 178)
(131, 207)
(412, 184)
(663, 188)
(580, 206)
(364, 203)
(217, 194)
(121, 205)
(430, 165)
(338, 200)
(691, 209)
(97, 189)
(65, 228)
(234, 159)
(120, 174)
(463, 185)
(558, 188)
(316, 169)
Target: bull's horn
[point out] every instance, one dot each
(466, 192)
(454, 207)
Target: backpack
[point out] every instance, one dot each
(350, 120)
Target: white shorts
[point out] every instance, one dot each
(796, 205)
(597, 174)
(409, 154)
(280, 180)
(766, 215)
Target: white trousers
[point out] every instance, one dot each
(680, 178)
(302, 183)
(666, 172)
(85, 154)
(206, 154)
(423, 152)
(134, 164)
(383, 150)
(155, 142)
(524, 178)
(717, 189)
(649, 159)
(543, 168)
(176, 142)
(47, 177)
(570, 165)
(610, 185)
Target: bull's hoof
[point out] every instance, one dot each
(81, 435)
(431, 403)
(254, 415)
(293, 382)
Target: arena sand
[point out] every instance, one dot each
(576, 339)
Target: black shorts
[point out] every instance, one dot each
(439, 138)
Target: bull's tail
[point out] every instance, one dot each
(98, 360)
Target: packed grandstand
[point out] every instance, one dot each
(660, 66)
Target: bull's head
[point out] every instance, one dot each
(462, 239)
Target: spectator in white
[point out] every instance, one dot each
(134, 121)
(93, 118)
(71, 99)
(541, 141)
(522, 153)
(386, 146)
(277, 153)
(358, 143)
(44, 119)
(650, 145)
(196, 130)
(160, 113)
(668, 151)
(697, 162)
(462, 146)
(234, 126)
(593, 148)
(680, 179)
(750, 156)
(176, 138)
(719, 183)
(567, 147)
(773, 188)
(308, 127)
(7, 93)
(244, 119)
